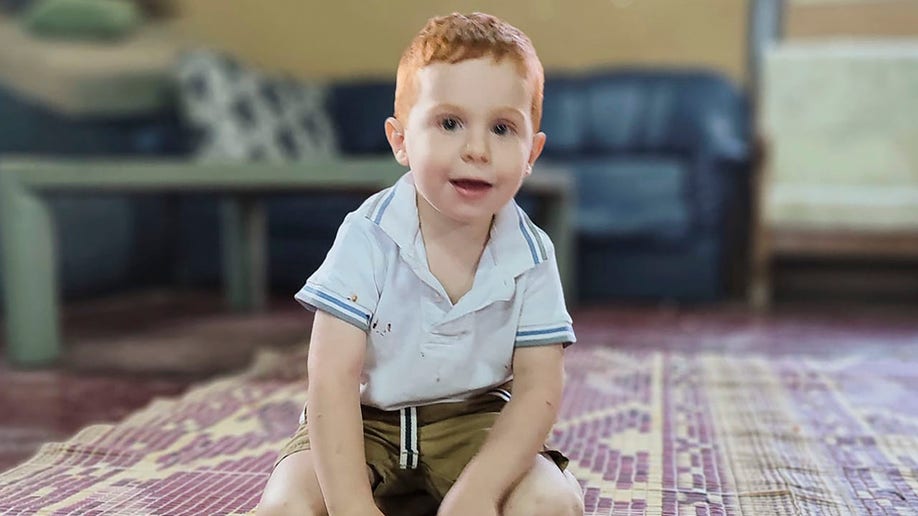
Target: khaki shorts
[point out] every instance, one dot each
(424, 449)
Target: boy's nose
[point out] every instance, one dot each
(476, 150)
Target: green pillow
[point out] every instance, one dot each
(82, 19)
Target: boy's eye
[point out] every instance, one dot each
(501, 129)
(449, 123)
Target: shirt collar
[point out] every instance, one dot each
(515, 245)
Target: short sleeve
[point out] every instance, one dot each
(345, 284)
(544, 319)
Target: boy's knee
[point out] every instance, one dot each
(554, 502)
(300, 507)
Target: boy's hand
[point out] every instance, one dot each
(462, 500)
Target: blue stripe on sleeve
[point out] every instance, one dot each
(530, 333)
(337, 302)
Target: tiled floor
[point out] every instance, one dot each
(125, 351)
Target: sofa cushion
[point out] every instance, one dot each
(680, 112)
(240, 113)
(650, 111)
(631, 197)
(77, 20)
(563, 116)
(360, 109)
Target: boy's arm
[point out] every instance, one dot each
(522, 426)
(336, 354)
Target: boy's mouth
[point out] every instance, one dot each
(470, 184)
(471, 189)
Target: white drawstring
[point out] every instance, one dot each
(408, 456)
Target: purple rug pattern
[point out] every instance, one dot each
(647, 433)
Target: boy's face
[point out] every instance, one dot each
(469, 139)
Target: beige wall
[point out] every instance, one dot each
(807, 19)
(331, 39)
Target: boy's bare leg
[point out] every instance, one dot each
(293, 488)
(547, 490)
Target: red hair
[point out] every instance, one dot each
(457, 37)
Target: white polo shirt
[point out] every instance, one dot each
(421, 348)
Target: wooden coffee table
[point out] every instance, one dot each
(29, 253)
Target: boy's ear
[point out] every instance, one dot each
(538, 143)
(395, 134)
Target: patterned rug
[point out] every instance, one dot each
(648, 433)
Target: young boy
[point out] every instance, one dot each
(436, 293)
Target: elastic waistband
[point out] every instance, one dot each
(490, 401)
(410, 419)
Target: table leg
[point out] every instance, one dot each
(30, 281)
(558, 224)
(244, 244)
(758, 291)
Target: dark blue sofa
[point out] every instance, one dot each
(660, 160)
(661, 164)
